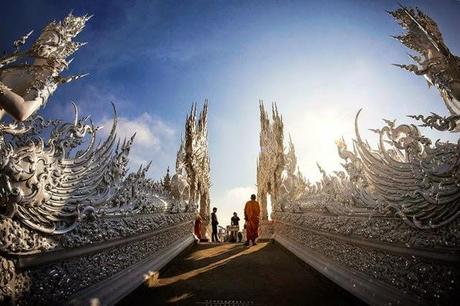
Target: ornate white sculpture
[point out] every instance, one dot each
(391, 219)
(434, 61)
(138, 194)
(180, 188)
(293, 184)
(271, 162)
(48, 189)
(277, 172)
(196, 161)
(407, 175)
(421, 181)
(62, 191)
(24, 87)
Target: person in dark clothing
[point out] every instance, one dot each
(214, 224)
(235, 219)
(234, 222)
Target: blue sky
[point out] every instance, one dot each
(320, 62)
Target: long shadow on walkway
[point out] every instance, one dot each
(264, 274)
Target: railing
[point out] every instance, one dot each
(374, 269)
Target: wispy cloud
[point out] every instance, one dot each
(154, 139)
(90, 100)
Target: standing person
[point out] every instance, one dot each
(251, 215)
(197, 228)
(235, 219)
(235, 222)
(214, 223)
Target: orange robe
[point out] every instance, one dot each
(251, 214)
(197, 228)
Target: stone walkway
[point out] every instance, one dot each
(232, 274)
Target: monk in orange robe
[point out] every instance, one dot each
(251, 215)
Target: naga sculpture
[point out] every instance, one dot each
(434, 61)
(24, 87)
(419, 180)
(406, 175)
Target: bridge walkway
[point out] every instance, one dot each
(233, 274)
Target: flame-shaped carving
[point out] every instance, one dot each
(44, 186)
(434, 61)
(419, 180)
